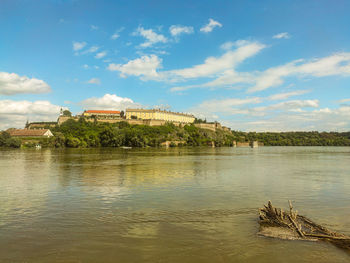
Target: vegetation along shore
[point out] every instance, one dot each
(84, 134)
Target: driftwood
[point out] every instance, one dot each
(274, 222)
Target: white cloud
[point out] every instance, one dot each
(11, 83)
(109, 102)
(94, 81)
(284, 35)
(229, 44)
(85, 66)
(337, 64)
(293, 115)
(213, 65)
(286, 95)
(115, 36)
(324, 119)
(210, 108)
(290, 105)
(178, 30)
(222, 70)
(101, 54)
(78, 45)
(343, 100)
(334, 65)
(116, 33)
(210, 26)
(16, 113)
(145, 66)
(93, 27)
(150, 36)
(272, 77)
(92, 49)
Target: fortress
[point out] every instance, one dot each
(149, 117)
(156, 114)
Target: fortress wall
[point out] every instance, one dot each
(208, 126)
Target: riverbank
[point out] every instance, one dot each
(82, 134)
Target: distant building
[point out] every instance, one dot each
(102, 114)
(31, 133)
(155, 114)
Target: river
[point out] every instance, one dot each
(167, 205)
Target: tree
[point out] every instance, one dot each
(7, 141)
(122, 114)
(67, 113)
(72, 142)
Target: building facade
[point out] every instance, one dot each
(102, 114)
(155, 114)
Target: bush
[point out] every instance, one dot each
(73, 142)
(13, 142)
(7, 141)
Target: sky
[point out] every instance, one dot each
(251, 65)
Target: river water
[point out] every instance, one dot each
(167, 205)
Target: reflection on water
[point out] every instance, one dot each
(167, 205)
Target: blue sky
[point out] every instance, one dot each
(252, 65)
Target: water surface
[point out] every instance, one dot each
(167, 205)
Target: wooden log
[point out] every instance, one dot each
(307, 229)
(290, 207)
(296, 226)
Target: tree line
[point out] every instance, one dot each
(94, 134)
(313, 138)
(83, 134)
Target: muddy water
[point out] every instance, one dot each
(167, 205)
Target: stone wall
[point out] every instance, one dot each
(63, 119)
(212, 126)
(33, 126)
(226, 129)
(208, 126)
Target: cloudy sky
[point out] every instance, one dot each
(252, 65)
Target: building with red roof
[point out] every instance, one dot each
(102, 114)
(31, 133)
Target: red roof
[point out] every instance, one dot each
(26, 132)
(103, 111)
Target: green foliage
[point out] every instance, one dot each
(313, 138)
(109, 137)
(83, 133)
(73, 142)
(197, 120)
(67, 113)
(7, 141)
